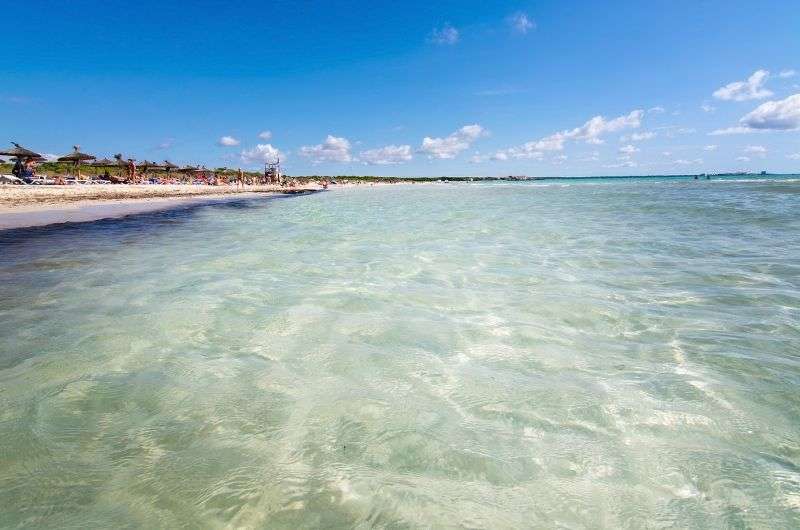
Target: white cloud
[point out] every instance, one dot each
(625, 163)
(793, 156)
(667, 153)
(590, 132)
(520, 23)
(50, 157)
(710, 148)
(781, 115)
(333, 149)
(758, 150)
(629, 149)
(453, 144)
(682, 162)
(228, 141)
(785, 74)
(742, 159)
(657, 110)
(261, 153)
(387, 155)
(731, 130)
(707, 108)
(637, 137)
(265, 135)
(447, 34)
(743, 90)
(166, 144)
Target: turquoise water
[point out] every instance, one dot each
(574, 355)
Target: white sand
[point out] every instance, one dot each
(24, 206)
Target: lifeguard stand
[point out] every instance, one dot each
(272, 171)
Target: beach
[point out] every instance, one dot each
(23, 206)
(21, 197)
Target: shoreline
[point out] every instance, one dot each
(28, 207)
(14, 197)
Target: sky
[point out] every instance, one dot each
(546, 88)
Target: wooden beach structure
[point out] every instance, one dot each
(76, 157)
(272, 172)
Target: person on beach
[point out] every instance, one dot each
(131, 171)
(240, 178)
(17, 170)
(28, 171)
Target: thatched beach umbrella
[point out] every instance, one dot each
(202, 171)
(169, 166)
(187, 170)
(76, 157)
(20, 152)
(123, 161)
(146, 165)
(104, 162)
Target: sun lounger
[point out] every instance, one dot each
(10, 179)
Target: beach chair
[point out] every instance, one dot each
(11, 179)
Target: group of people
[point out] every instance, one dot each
(268, 178)
(25, 170)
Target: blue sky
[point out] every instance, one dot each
(411, 88)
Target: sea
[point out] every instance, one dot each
(602, 353)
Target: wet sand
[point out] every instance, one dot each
(12, 197)
(26, 206)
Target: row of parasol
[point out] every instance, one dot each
(77, 157)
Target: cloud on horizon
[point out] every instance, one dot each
(590, 132)
(261, 153)
(387, 155)
(333, 149)
(453, 144)
(779, 115)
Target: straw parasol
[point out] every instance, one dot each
(146, 165)
(20, 152)
(122, 161)
(169, 166)
(104, 162)
(187, 170)
(76, 157)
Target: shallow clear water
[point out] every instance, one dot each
(482, 356)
